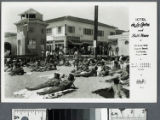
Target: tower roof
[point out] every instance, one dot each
(30, 11)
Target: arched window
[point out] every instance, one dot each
(7, 46)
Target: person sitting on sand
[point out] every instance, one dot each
(65, 84)
(67, 63)
(124, 77)
(84, 67)
(50, 66)
(55, 81)
(81, 68)
(116, 63)
(36, 66)
(125, 73)
(9, 65)
(92, 62)
(90, 72)
(104, 70)
(17, 70)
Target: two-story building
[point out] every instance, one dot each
(119, 44)
(35, 36)
(70, 32)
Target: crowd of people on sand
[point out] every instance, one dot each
(36, 64)
(83, 67)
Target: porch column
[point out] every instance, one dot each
(65, 45)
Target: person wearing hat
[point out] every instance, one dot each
(55, 81)
(65, 84)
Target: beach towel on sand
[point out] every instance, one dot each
(24, 93)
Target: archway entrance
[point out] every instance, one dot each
(7, 48)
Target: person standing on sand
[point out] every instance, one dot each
(76, 59)
(117, 88)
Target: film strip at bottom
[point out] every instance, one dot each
(80, 114)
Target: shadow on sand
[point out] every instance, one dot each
(108, 92)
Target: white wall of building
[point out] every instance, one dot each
(79, 31)
(79, 26)
(54, 26)
(121, 43)
(21, 43)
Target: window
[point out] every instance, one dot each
(49, 31)
(71, 29)
(126, 42)
(32, 16)
(23, 15)
(112, 33)
(26, 15)
(88, 31)
(42, 41)
(100, 33)
(31, 29)
(59, 29)
(114, 42)
(32, 42)
(19, 29)
(42, 31)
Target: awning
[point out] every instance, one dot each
(86, 43)
(75, 43)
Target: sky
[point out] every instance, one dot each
(115, 14)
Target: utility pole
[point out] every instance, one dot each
(95, 30)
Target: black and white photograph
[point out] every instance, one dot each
(67, 52)
(80, 114)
